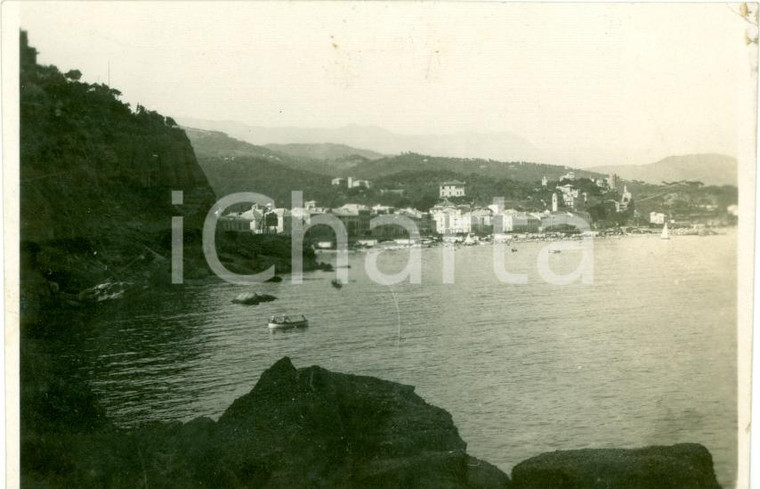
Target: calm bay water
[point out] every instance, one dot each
(646, 355)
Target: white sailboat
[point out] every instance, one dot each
(665, 233)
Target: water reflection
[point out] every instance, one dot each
(644, 355)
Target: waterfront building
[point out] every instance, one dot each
(656, 218)
(481, 221)
(560, 219)
(555, 202)
(391, 230)
(355, 218)
(450, 218)
(512, 221)
(234, 222)
(251, 220)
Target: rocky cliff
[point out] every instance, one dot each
(92, 165)
(96, 183)
(96, 177)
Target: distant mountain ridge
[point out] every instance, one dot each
(216, 144)
(710, 169)
(497, 145)
(324, 151)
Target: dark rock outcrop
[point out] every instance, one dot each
(313, 428)
(658, 467)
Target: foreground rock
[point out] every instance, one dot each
(313, 428)
(659, 467)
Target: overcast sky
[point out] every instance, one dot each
(588, 83)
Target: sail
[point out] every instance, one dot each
(665, 233)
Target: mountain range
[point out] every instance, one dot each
(710, 169)
(497, 145)
(370, 151)
(348, 161)
(324, 151)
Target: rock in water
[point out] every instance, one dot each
(658, 467)
(105, 292)
(313, 428)
(252, 298)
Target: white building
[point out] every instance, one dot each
(657, 218)
(453, 188)
(251, 220)
(451, 219)
(350, 182)
(359, 183)
(352, 208)
(511, 221)
(569, 195)
(625, 199)
(481, 220)
(382, 209)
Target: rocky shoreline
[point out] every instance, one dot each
(309, 427)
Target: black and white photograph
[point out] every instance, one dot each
(434, 245)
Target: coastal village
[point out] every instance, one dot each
(455, 218)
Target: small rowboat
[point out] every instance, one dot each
(288, 322)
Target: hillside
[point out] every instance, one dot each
(515, 170)
(324, 151)
(96, 183)
(90, 163)
(262, 175)
(96, 178)
(215, 144)
(710, 169)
